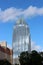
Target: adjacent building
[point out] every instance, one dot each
(21, 39)
(5, 52)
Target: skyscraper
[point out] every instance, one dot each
(21, 38)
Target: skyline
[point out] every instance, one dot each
(31, 11)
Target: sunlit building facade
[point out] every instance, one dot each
(21, 38)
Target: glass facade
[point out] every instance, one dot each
(21, 38)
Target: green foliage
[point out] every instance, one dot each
(4, 62)
(24, 58)
(33, 58)
(16, 64)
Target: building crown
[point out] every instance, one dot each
(20, 21)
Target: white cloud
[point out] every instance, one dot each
(34, 46)
(33, 11)
(10, 14)
(13, 13)
(9, 46)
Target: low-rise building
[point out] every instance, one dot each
(5, 52)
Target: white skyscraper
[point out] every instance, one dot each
(21, 38)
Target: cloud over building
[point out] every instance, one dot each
(13, 13)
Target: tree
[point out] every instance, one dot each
(35, 58)
(4, 62)
(24, 58)
(41, 53)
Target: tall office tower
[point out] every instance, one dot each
(21, 38)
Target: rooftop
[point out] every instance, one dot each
(6, 50)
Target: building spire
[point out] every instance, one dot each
(21, 21)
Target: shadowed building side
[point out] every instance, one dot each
(5, 52)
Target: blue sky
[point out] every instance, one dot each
(31, 11)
